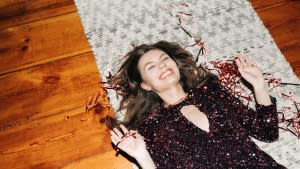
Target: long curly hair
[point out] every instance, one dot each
(136, 101)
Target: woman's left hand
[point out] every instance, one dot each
(250, 72)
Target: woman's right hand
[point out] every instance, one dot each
(131, 142)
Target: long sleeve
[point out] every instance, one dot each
(261, 123)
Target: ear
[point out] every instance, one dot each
(145, 86)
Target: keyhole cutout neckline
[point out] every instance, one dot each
(196, 117)
(182, 104)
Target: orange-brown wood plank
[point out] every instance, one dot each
(55, 143)
(16, 12)
(106, 160)
(282, 18)
(263, 5)
(42, 41)
(57, 87)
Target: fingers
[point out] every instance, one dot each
(244, 62)
(118, 132)
(238, 63)
(124, 129)
(117, 136)
(114, 137)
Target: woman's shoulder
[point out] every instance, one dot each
(150, 121)
(153, 116)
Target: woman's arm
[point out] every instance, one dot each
(262, 96)
(262, 123)
(251, 73)
(133, 144)
(145, 161)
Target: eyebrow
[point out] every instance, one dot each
(152, 61)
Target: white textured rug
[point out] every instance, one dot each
(227, 27)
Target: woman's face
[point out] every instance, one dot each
(158, 71)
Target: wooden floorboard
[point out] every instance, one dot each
(41, 41)
(106, 160)
(45, 85)
(47, 71)
(54, 144)
(18, 12)
(282, 18)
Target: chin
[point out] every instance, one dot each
(170, 82)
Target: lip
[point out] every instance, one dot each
(165, 74)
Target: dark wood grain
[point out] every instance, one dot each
(54, 142)
(47, 89)
(282, 18)
(17, 12)
(40, 42)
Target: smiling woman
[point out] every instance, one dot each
(141, 78)
(180, 116)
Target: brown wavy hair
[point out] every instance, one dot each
(136, 101)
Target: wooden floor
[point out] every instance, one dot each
(47, 71)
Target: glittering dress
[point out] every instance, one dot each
(175, 142)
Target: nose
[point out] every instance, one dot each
(162, 65)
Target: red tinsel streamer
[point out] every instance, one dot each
(180, 15)
(231, 79)
(292, 124)
(93, 104)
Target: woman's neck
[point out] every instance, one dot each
(172, 95)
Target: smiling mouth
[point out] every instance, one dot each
(165, 74)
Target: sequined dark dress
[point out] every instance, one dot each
(175, 142)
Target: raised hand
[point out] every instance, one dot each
(250, 72)
(133, 144)
(130, 142)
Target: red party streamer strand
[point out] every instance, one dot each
(179, 15)
(231, 79)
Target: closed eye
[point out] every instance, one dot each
(150, 67)
(165, 58)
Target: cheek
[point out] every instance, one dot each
(175, 67)
(153, 75)
(149, 76)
